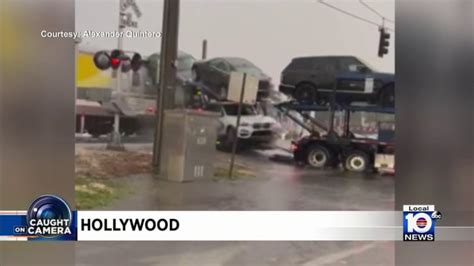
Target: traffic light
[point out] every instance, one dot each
(115, 58)
(136, 62)
(384, 42)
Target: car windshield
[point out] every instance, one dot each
(371, 67)
(185, 63)
(244, 65)
(233, 109)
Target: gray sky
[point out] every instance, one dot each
(267, 32)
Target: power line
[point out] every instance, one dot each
(375, 11)
(353, 15)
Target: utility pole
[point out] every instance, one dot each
(115, 142)
(204, 49)
(167, 72)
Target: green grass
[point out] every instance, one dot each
(92, 193)
(239, 172)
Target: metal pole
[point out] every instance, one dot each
(314, 121)
(115, 142)
(347, 123)
(331, 119)
(236, 140)
(332, 107)
(332, 135)
(204, 49)
(167, 72)
(82, 124)
(298, 121)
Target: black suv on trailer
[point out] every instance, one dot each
(312, 79)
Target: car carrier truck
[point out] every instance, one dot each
(326, 147)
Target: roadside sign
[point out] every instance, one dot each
(131, 3)
(126, 17)
(127, 21)
(235, 87)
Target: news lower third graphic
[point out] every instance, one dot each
(419, 222)
(50, 218)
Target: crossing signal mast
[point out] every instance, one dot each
(120, 62)
(384, 42)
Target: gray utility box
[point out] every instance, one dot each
(189, 145)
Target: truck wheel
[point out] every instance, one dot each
(306, 93)
(318, 156)
(357, 161)
(387, 97)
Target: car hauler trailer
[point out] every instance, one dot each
(356, 154)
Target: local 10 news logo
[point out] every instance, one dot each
(419, 222)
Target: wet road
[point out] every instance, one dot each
(278, 186)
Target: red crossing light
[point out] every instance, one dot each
(116, 58)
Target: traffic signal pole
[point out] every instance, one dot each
(167, 73)
(115, 142)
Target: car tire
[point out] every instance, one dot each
(387, 96)
(220, 143)
(318, 156)
(357, 161)
(307, 92)
(230, 137)
(194, 74)
(128, 132)
(97, 132)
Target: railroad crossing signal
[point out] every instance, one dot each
(103, 60)
(384, 42)
(115, 58)
(126, 19)
(136, 62)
